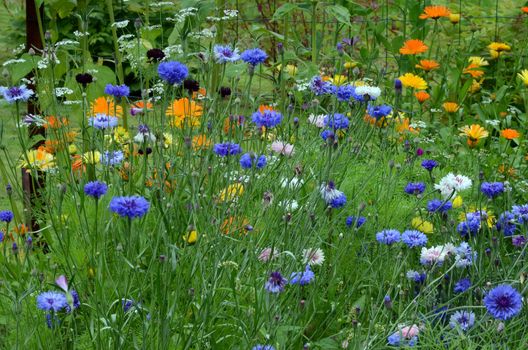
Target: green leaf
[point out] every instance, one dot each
(340, 13)
(284, 10)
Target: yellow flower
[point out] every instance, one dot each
(479, 61)
(523, 75)
(184, 110)
(475, 86)
(454, 18)
(191, 237)
(167, 140)
(338, 79)
(291, 69)
(231, 193)
(91, 157)
(457, 202)
(350, 64)
(72, 149)
(450, 107)
(120, 136)
(422, 225)
(474, 133)
(490, 220)
(39, 159)
(496, 49)
(413, 81)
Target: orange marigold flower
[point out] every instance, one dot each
(53, 122)
(410, 80)
(21, 229)
(404, 125)
(428, 65)
(230, 123)
(263, 108)
(413, 47)
(450, 107)
(105, 105)
(234, 224)
(472, 69)
(422, 96)
(510, 134)
(435, 12)
(524, 9)
(474, 133)
(184, 110)
(200, 142)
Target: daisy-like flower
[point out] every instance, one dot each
(313, 256)
(410, 80)
(474, 133)
(428, 65)
(414, 238)
(462, 319)
(131, 207)
(523, 75)
(435, 12)
(413, 47)
(51, 301)
(496, 49)
(103, 121)
(451, 107)
(473, 70)
(503, 302)
(524, 9)
(510, 134)
(478, 61)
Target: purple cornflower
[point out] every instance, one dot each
(414, 238)
(118, 91)
(103, 121)
(462, 319)
(262, 347)
(247, 161)
(275, 283)
(518, 241)
(492, 189)
(267, 118)
(429, 164)
(437, 205)
(224, 54)
(131, 207)
(302, 278)
(112, 157)
(415, 188)
(127, 304)
(470, 226)
(462, 285)
(397, 339)
(398, 86)
(51, 301)
(6, 216)
(95, 189)
(173, 72)
(226, 149)
(358, 221)
(336, 121)
(388, 237)
(16, 93)
(379, 112)
(503, 302)
(344, 92)
(320, 87)
(254, 56)
(327, 134)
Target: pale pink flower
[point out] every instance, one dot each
(62, 282)
(266, 254)
(317, 120)
(282, 148)
(313, 256)
(410, 331)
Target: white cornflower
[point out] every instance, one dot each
(313, 256)
(372, 91)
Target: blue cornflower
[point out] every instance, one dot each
(247, 161)
(131, 207)
(379, 112)
(336, 121)
(51, 301)
(227, 148)
(517, 241)
(462, 285)
(492, 189)
(302, 278)
(1, 236)
(464, 255)
(462, 319)
(262, 347)
(6, 216)
(338, 201)
(16, 93)
(118, 91)
(503, 302)
(173, 72)
(521, 213)
(415, 188)
(112, 157)
(429, 164)
(416, 276)
(254, 56)
(225, 54)
(95, 189)
(397, 339)
(437, 205)
(327, 134)
(267, 118)
(414, 238)
(320, 87)
(275, 283)
(344, 92)
(388, 237)
(358, 221)
(332, 196)
(506, 223)
(127, 304)
(470, 226)
(103, 121)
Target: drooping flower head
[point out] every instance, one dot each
(254, 56)
(503, 302)
(275, 283)
(16, 93)
(131, 206)
(173, 72)
(225, 53)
